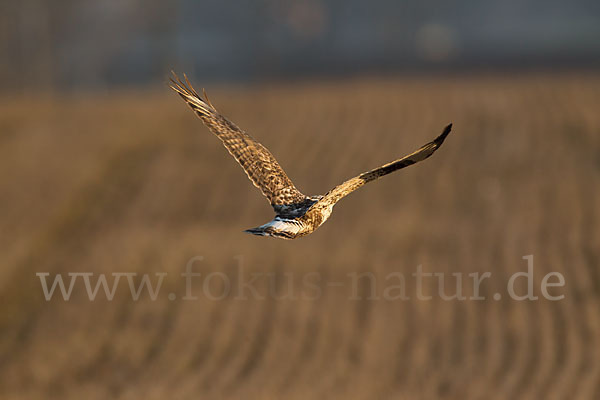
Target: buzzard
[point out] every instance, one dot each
(296, 214)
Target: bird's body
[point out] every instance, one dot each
(299, 222)
(296, 214)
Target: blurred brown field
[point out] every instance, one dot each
(132, 182)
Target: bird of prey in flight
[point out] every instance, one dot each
(296, 214)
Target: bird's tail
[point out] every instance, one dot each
(279, 228)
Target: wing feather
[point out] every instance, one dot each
(335, 194)
(259, 164)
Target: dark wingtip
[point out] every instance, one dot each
(440, 139)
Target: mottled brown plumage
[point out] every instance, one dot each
(296, 214)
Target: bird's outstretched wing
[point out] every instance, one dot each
(335, 194)
(258, 163)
